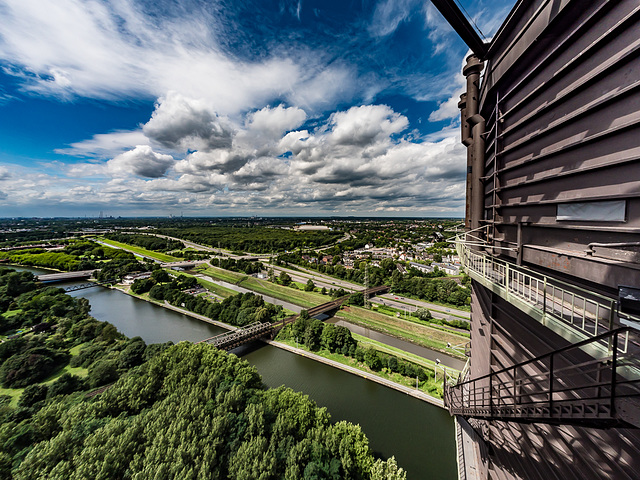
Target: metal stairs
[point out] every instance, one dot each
(566, 386)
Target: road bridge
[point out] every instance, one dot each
(65, 276)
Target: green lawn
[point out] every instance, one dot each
(222, 274)
(162, 257)
(464, 308)
(420, 334)
(297, 297)
(14, 393)
(386, 310)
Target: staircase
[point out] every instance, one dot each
(566, 386)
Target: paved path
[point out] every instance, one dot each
(420, 395)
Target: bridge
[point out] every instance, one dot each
(83, 286)
(236, 338)
(65, 276)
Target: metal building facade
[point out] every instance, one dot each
(551, 121)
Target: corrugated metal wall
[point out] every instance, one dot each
(502, 334)
(561, 99)
(561, 95)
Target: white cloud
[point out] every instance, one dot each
(105, 145)
(389, 14)
(141, 161)
(111, 50)
(362, 125)
(273, 122)
(359, 160)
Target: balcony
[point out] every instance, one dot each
(572, 312)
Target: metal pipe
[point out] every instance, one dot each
(474, 142)
(477, 169)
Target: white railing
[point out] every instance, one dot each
(543, 297)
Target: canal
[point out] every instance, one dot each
(420, 435)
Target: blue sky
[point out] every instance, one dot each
(137, 108)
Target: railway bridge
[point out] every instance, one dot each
(240, 336)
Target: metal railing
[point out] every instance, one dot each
(545, 298)
(239, 336)
(564, 386)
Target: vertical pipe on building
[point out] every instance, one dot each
(474, 141)
(477, 169)
(465, 134)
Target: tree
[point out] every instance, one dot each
(160, 276)
(66, 384)
(423, 314)
(310, 286)
(103, 372)
(328, 337)
(284, 278)
(142, 285)
(313, 333)
(372, 359)
(357, 299)
(33, 394)
(388, 470)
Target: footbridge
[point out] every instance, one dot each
(240, 336)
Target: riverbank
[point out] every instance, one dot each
(420, 395)
(298, 351)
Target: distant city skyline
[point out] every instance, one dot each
(265, 108)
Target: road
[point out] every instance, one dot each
(438, 311)
(302, 275)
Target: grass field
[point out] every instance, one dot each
(162, 257)
(14, 393)
(222, 274)
(386, 310)
(419, 334)
(297, 297)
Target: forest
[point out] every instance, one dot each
(252, 239)
(152, 411)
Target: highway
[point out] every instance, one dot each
(302, 275)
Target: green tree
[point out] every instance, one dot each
(423, 314)
(310, 286)
(284, 278)
(160, 276)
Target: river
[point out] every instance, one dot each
(420, 435)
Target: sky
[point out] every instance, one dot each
(232, 108)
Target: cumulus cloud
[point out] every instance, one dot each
(360, 160)
(183, 123)
(141, 161)
(362, 125)
(273, 122)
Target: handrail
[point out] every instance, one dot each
(541, 296)
(554, 387)
(539, 358)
